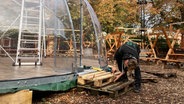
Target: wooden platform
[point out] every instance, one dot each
(14, 77)
(112, 90)
(9, 72)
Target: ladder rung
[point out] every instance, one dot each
(32, 1)
(20, 57)
(29, 40)
(29, 33)
(33, 36)
(28, 55)
(31, 17)
(31, 25)
(29, 49)
(27, 63)
(33, 10)
(33, 29)
(30, 43)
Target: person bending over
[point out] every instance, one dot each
(127, 59)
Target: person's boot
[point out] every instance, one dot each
(137, 88)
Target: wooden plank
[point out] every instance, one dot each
(147, 60)
(103, 82)
(94, 76)
(175, 56)
(150, 58)
(81, 81)
(98, 81)
(85, 72)
(172, 60)
(148, 78)
(111, 85)
(169, 60)
(93, 88)
(123, 85)
(91, 74)
(108, 75)
(89, 77)
(121, 89)
(161, 73)
(20, 97)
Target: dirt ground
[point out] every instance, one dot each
(165, 91)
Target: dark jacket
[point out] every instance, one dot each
(127, 51)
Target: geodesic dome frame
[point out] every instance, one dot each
(60, 24)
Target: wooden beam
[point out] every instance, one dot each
(167, 38)
(172, 44)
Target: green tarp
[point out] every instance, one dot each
(59, 86)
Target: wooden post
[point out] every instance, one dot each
(172, 44)
(50, 45)
(152, 45)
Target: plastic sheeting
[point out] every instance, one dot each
(62, 32)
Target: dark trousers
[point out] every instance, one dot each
(137, 77)
(137, 74)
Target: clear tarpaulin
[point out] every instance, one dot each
(61, 39)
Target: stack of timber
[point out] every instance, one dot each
(103, 82)
(97, 79)
(20, 97)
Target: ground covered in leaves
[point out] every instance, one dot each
(165, 91)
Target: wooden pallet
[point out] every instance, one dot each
(113, 90)
(97, 79)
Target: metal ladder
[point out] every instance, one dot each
(30, 30)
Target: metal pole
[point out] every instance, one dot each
(142, 4)
(81, 31)
(7, 53)
(55, 31)
(44, 29)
